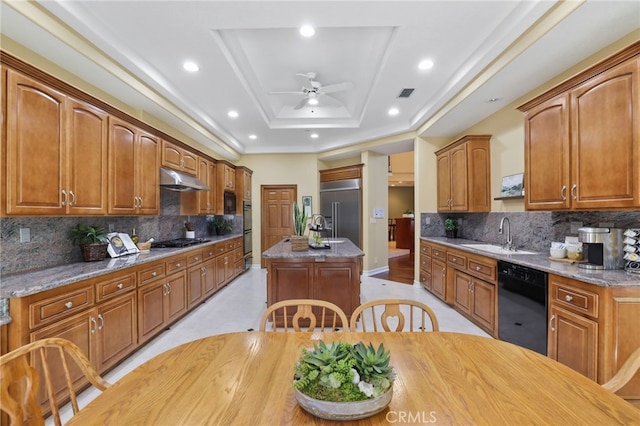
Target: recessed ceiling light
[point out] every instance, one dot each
(253, 137)
(190, 66)
(493, 99)
(394, 111)
(425, 64)
(233, 114)
(307, 31)
(314, 135)
(313, 101)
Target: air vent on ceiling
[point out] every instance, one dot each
(406, 93)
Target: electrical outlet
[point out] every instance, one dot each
(25, 235)
(575, 226)
(606, 225)
(112, 228)
(427, 220)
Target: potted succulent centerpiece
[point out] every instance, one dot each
(92, 240)
(299, 242)
(451, 227)
(343, 381)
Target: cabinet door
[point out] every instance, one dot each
(151, 315)
(36, 172)
(176, 297)
(246, 185)
(171, 156)
(443, 162)
(573, 341)
(190, 163)
(209, 285)
(195, 280)
(439, 278)
(220, 272)
(122, 167)
(547, 159)
(79, 330)
(484, 304)
(462, 292)
(147, 183)
(606, 139)
(459, 176)
(86, 153)
(117, 334)
(337, 283)
(206, 199)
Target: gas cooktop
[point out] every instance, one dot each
(178, 242)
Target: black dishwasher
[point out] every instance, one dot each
(522, 306)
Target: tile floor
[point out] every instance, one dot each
(239, 306)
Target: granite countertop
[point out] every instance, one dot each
(338, 247)
(31, 282)
(541, 262)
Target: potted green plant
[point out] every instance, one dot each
(219, 225)
(299, 241)
(92, 240)
(451, 227)
(408, 213)
(343, 381)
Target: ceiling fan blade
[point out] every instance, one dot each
(286, 93)
(302, 103)
(338, 87)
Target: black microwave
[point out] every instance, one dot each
(229, 202)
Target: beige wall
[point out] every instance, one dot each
(375, 231)
(400, 199)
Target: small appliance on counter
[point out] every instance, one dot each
(602, 247)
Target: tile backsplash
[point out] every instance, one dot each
(529, 230)
(50, 245)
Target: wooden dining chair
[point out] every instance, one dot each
(300, 313)
(21, 384)
(626, 372)
(377, 313)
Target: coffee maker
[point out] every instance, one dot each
(602, 247)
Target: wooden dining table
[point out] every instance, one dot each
(442, 378)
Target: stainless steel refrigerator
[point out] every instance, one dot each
(341, 206)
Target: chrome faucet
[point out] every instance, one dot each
(509, 245)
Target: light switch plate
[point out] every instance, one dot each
(25, 235)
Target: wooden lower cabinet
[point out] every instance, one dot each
(159, 304)
(594, 329)
(439, 278)
(336, 280)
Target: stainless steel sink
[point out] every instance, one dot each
(491, 248)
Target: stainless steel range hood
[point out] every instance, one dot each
(178, 181)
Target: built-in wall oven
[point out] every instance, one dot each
(247, 233)
(522, 306)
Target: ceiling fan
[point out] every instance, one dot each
(313, 89)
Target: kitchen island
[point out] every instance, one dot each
(331, 274)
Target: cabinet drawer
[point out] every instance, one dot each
(425, 263)
(484, 269)
(425, 249)
(151, 273)
(220, 248)
(238, 243)
(457, 259)
(581, 300)
(230, 246)
(53, 309)
(208, 253)
(194, 258)
(114, 287)
(176, 265)
(439, 253)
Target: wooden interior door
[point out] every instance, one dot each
(276, 215)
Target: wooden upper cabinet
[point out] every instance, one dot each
(582, 139)
(464, 175)
(243, 185)
(133, 170)
(207, 174)
(179, 159)
(605, 129)
(56, 151)
(226, 176)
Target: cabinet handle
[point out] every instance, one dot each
(64, 197)
(168, 289)
(73, 198)
(563, 192)
(154, 273)
(573, 191)
(568, 298)
(120, 286)
(471, 290)
(68, 305)
(101, 318)
(453, 259)
(177, 265)
(196, 258)
(95, 325)
(477, 268)
(553, 317)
